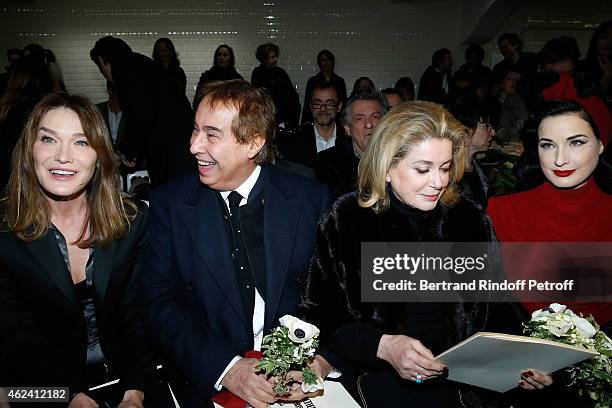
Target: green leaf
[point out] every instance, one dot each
(310, 377)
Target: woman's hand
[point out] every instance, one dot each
(81, 400)
(409, 357)
(532, 379)
(132, 399)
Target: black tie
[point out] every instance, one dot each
(234, 200)
(240, 255)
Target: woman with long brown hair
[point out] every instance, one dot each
(70, 250)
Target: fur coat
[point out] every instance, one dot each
(351, 329)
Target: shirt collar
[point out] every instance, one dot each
(245, 188)
(318, 136)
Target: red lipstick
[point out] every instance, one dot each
(564, 173)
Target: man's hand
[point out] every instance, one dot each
(320, 366)
(132, 399)
(409, 357)
(243, 381)
(81, 400)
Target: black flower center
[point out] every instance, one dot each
(299, 333)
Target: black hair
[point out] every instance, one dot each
(110, 49)
(475, 49)
(592, 51)
(471, 114)
(403, 83)
(35, 51)
(558, 50)
(391, 91)
(513, 38)
(529, 171)
(231, 52)
(174, 59)
(438, 56)
(325, 85)
(50, 56)
(358, 80)
(330, 56)
(264, 50)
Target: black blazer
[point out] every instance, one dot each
(431, 86)
(103, 108)
(301, 146)
(158, 117)
(42, 328)
(337, 167)
(194, 304)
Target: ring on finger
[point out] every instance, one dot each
(419, 378)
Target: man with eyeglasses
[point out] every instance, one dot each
(311, 138)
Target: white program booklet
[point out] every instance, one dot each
(495, 361)
(334, 396)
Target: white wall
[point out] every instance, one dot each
(539, 20)
(380, 39)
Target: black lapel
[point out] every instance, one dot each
(204, 221)
(312, 143)
(281, 213)
(103, 262)
(121, 130)
(47, 253)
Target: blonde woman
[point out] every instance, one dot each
(407, 191)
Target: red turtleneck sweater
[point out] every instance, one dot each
(548, 214)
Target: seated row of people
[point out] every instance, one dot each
(92, 290)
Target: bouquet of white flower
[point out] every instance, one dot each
(291, 346)
(591, 377)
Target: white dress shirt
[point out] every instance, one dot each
(323, 144)
(113, 121)
(259, 311)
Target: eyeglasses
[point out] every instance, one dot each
(486, 126)
(328, 105)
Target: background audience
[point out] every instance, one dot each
(500, 139)
(223, 68)
(272, 77)
(326, 62)
(165, 54)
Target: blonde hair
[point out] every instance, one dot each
(406, 125)
(28, 213)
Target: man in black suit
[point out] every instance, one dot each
(113, 116)
(230, 249)
(158, 115)
(323, 133)
(338, 165)
(435, 82)
(525, 63)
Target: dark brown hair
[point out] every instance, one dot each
(264, 50)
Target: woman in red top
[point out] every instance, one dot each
(570, 206)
